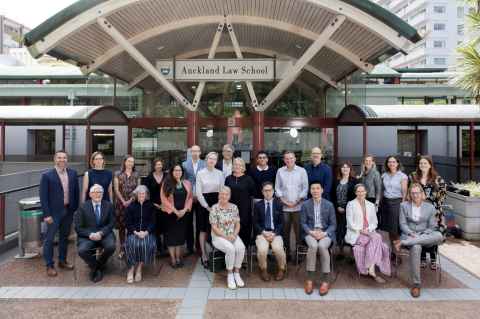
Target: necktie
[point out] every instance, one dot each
(268, 217)
(97, 213)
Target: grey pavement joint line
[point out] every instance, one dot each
(197, 294)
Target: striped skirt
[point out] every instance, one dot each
(140, 250)
(371, 250)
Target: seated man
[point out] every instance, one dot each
(418, 226)
(318, 223)
(94, 223)
(268, 226)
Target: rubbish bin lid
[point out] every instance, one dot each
(30, 201)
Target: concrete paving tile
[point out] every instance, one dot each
(301, 295)
(230, 294)
(278, 293)
(191, 310)
(159, 293)
(12, 292)
(254, 293)
(140, 293)
(67, 294)
(33, 292)
(189, 316)
(242, 293)
(199, 284)
(290, 293)
(217, 293)
(266, 293)
(80, 293)
(197, 293)
(176, 293)
(193, 302)
(363, 294)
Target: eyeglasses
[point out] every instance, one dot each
(97, 192)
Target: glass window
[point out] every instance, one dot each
(41, 142)
(104, 141)
(439, 9)
(439, 44)
(212, 140)
(466, 143)
(169, 144)
(299, 140)
(406, 140)
(460, 29)
(439, 61)
(460, 12)
(439, 26)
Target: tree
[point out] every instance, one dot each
(469, 67)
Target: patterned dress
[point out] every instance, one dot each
(126, 186)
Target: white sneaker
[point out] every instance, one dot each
(238, 280)
(231, 282)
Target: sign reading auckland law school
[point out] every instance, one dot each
(223, 69)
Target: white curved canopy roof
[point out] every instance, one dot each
(162, 29)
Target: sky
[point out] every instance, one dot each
(32, 12)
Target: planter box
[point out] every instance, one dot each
(467, 214)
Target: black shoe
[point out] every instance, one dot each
(180, 264)
(98, 276)
(173, 265)
(91, 275)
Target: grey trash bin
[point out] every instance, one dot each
(30, 226)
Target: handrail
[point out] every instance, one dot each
(19, 189)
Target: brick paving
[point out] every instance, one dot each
(194, 292)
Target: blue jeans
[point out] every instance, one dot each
(62, 225)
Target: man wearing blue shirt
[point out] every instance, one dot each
(320, 172)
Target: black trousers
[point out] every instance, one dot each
(87, 250)
(189, 231)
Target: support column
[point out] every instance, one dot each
(88, 144)
(472, 151)
(63, 136)
(417, 142)
(130, 140)
(193, 128)
(459, 160)
(114, 98)
(2, 217)
(335, 148)
(2, 142)
(365, 139)
(258, 132)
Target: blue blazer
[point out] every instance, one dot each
(51, 193)
(189, 173)
(307, 218)
(259, 217)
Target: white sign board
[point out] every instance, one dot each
(223, 70)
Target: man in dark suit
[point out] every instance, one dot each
(226, 164)
(318, 223)
(268, 227)
(94, 223)
(59, 193)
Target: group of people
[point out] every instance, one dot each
(234, 209)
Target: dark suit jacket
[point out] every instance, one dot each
(86, 221)
(307, 218)
(51, 193)
(350, 193)
(259, 217)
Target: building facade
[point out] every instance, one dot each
(442, 24)
(11, 34)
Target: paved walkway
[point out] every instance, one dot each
(199, 291)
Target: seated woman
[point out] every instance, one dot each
(176, 195)
(418, 223)
(368, 248)
(140, 246)
(225, 221)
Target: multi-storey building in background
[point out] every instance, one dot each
(443, 25)
(11, 34)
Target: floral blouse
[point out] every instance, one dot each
(225, 218)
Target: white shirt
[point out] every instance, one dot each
(262, 169)
(227, 168)
(271, 212)
(208, 182)
(317, 208)
(292, 185)
(195, 166)
(416, 211)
